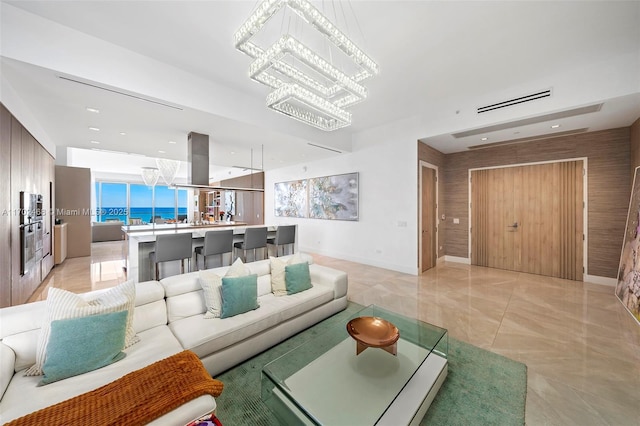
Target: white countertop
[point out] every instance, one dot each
(147, 233)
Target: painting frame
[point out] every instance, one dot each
(291, 199)
(330, 197)
(334, 197)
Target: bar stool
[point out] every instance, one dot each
(254, 238)
(285, 235)
(171, 247)
(215, 242)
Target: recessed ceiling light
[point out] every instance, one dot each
(484, 139)
(233, 152)
(97, 111)
(161, 151)
(95, 129)
(555, 126)
(122, 133)
(95, 142)
(172, 142)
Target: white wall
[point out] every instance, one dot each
(386, 233)
(14, 103)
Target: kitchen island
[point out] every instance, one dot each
(141, 241)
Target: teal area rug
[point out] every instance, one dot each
(482, 388)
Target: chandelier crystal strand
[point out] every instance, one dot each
(150, 175)
(289, 45)
(168, 169)
(316, 103)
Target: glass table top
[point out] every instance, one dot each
(325, 382)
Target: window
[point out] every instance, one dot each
(140, 202)
(112, 201)
(134, 203)
(165, 204)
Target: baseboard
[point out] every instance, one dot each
(457, 259)
(612, 282)
(411, 270)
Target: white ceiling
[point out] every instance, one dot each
(439, 61)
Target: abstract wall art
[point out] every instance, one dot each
(334, 197)
(328, 197)
(291, 199)
(628, 287)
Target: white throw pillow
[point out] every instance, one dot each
(62, 304)
(238, 269)
(212, 287)
(278, 283)
(211, 284)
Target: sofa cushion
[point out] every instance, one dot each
(205, 337)
(297, 277)
(7, 364)
(155, 344)
(264, 285)
(239, 295)
(62, 304)
(151, 308)
(80, 345)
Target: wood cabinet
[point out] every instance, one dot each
(5, 207)
(24, 166)
(60, 239)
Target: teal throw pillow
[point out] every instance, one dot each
(80, 345)
(297, 277)
(239, 295)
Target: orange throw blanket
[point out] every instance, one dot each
(134, 399)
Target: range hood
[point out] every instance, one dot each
(198, 163)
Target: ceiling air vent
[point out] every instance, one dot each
(516, 101)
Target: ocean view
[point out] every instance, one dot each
(143, 213)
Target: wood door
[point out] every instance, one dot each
(428, 237)
(529, 219)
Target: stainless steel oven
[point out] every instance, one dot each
(31, 231)
(38, 208)
(27, 248)
(26, 208)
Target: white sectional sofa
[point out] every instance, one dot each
(168, 318)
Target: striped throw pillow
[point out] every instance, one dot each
(62, 304)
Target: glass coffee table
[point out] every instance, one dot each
(326, 382)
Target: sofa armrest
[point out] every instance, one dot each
(7, 367)
(326, 276)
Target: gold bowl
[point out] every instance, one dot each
(373, 332)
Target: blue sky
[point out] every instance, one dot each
(115, 195)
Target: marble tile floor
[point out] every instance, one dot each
(581, 347)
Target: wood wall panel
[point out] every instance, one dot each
(6, 216)
(635, 147)
(435, 157)
(608, 154)
(73, 198)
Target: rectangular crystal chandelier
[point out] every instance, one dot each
(296, 93)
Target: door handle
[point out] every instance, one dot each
(515, 225)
